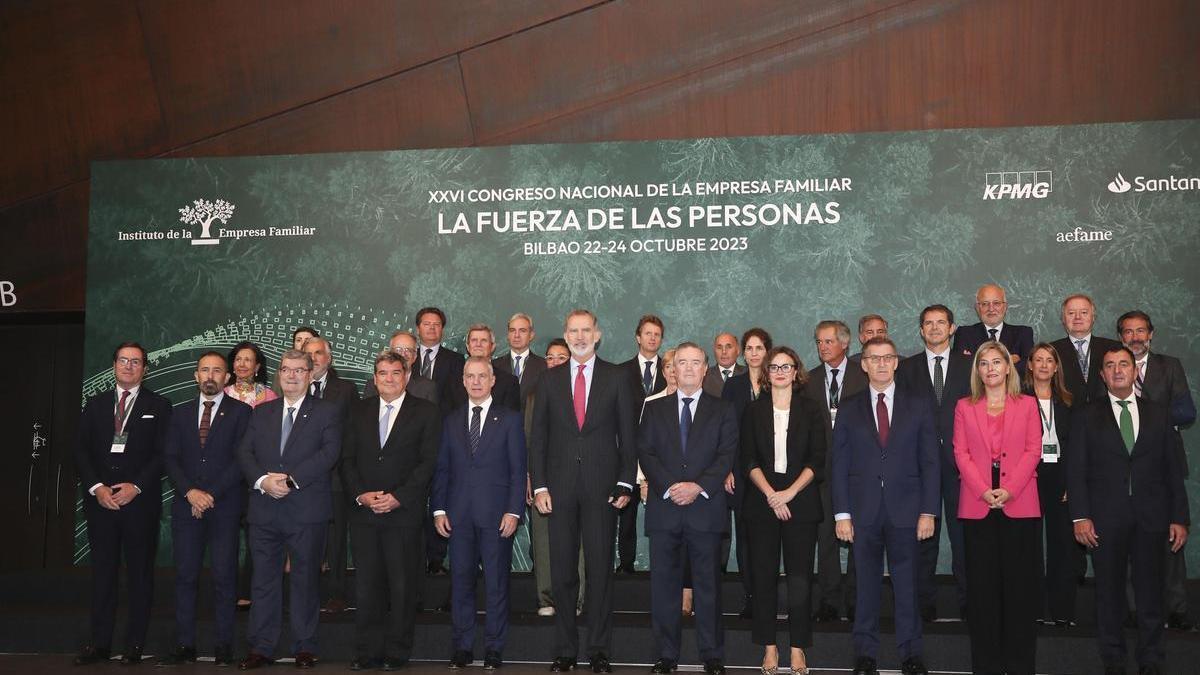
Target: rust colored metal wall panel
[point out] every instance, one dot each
(76, 87)
(45, 251)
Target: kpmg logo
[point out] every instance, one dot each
(1018, 184)
(203, 212)
(1171, 183)
(1119, 184)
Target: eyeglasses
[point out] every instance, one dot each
(126, 361)
(780, 368)
(293, 371)
(991, 303)
(405, 350)
(880, 358)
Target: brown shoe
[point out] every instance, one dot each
(253, 661)
(305, 659)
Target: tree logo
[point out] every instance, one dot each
(203, 212)
(1119, 184)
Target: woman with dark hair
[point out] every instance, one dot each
(249, 370)
(783, 454)
(747, 387)
(1064, 558)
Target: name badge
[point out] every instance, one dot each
(1050, 453)
(118, 443)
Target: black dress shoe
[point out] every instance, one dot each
(178, 656)
(865, 665)
(89, 655)
(390, 663)
(223, 656)
(253, 661)
(1064, 623)
(624, 569)
(365, 664)
(714, 667)
(929, 613)
(562, 664)
(492, 660)
(600, 663)
(305, 659)
(435, 568)
(132, 656)
(663, 666)
(825, 612)
(913, 666)
(461, 659)
(1179, 621)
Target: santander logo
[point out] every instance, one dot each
(1119, 185)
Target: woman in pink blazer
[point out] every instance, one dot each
(997, 447)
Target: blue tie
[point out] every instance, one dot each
(383, 424)
(685, 423)
(287, 428)
(473, 432)
(517, 368)
(647, 379)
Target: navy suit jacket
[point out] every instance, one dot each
(711, 451)
(1018, 340)
(309, 457)
(901, 478)
(213, 468)
(1101, 473)
(478, 490)
(142, 461)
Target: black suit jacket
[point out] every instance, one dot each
(1101, 473)
(913, 373)
(1167, 385)
(531, 371)
(633, 369)
(807, 446)
(850, 383)
(447, 374)
(1018, 340)
(341, 393)
(605, 449)
(213, 468)
(140, 464)
(1093, 389)
(403, 466)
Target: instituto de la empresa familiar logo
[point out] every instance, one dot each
(203, 212)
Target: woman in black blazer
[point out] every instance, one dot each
(783, 454)
(748, 386)
(1064, 557)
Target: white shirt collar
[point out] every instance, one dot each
(133, 391)
(299, 402)
(1113, 399)
(642, 361)
(215, 399)
(841, 366)
(589, 363)
(999, 328)
(888, 394)
(930, 354)
(524, 355)
(395, 404)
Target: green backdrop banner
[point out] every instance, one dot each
(713, 234)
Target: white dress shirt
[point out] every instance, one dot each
(421, 349)
(781, 427)
(841, 378)
(395, 411)
(512, 362)
(930, 361)
(1133, 412)
(642, 361)
(999, 330)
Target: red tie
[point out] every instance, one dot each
(882, 417)
(580, 396)
(119, 418)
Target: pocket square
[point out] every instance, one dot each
(147, 417)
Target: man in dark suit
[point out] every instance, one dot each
(885, 494)
(943, 376)
(830, 383)
(287, 454)
(388, 455)
(521, 362)
(686, 445)
(869, 326)
(403, 343)
(210, 495)
(481, 342)
(478, 498)
(328, 386)
(582, 465)
(725, 352)
(1127, 497)
(119, 460)
(991, 304)
(1081, 372)
(645, 378)
(1161, 379)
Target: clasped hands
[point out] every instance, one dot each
(113, 498)
(996, 498)
(379, 501)
(275, 485)
(778, 501)
(200, 501)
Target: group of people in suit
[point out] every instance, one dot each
(1013, 447)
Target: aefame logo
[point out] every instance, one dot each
(202, 212)
(1037, 184)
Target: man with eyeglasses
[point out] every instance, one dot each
(521, 362)
(119, 459)
(286, 456)
(991, 304)
(886, 490)
(403, 343)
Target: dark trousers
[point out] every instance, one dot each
(1123, 542)
(131, 532)
(669, 554)
(387, 563)
(218, 532)
(627, 531)
(435, 545)
(930, 548)
(742, 551)
(593, 521)
(1003, 579)
(473, 546)
(303, 544)
(336, 547)
(798, 541)
(1064, 555)
(871, 541)
(1175, 597)
(829, 559)
(246, 573)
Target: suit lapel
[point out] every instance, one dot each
(401, 413)
(868, 410)
(700, 415)
(300, 422)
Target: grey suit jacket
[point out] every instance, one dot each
(531, 372)
(713, 384)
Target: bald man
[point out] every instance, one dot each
(991, 304)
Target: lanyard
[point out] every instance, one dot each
(128, 411)
(1049, 424)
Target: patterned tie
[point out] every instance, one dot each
(580, 397)
(206, 422)
(427, 364)
(287, 428)
(939, 379)
(647, 379)
(685, 423)
(834, 390)
(992, 334)
(725, 373)
(1126, 426)
(1081, 352)
(1141, 375)
(316, 389)
(383, 424)
(119, 418)
(473, 431)
(517, 367)
(881, 415)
